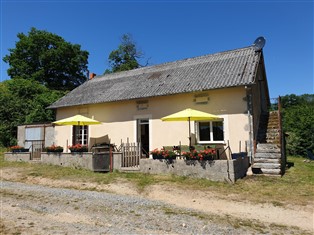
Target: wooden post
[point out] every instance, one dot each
(229, 152)
(110, 157)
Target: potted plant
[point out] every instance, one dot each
(54, 149)
(157, 154)
(18, 149)
(78, 148)
(207, 154)
(168, 154)
(192, 155)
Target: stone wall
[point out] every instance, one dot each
(17, 157)
(117, 160)
(217, 170)
(74, 160)
(87, 160)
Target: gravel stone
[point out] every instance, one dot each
(46, 210)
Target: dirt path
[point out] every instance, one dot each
(209, 203)
(206, 202)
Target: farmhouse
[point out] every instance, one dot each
(231, 85)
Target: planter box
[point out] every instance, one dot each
(20, 150)
(17, 157)
(78, 160)
(216, 170)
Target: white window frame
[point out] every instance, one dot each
(83, 135)
(211, 133)
(150, 122)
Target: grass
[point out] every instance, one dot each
(251, 224)
(257, 189)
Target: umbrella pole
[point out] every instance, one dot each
(189, 133)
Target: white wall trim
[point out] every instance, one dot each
(150, 122)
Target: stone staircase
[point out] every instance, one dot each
(268, 157)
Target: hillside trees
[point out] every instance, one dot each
(42, 67)
(298, 123)
(24, 101)
(48, 59)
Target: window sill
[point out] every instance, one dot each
(211, 142)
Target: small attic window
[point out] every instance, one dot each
(201, 98)
(142, 104)
(83, 111)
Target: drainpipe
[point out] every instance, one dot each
(249, 114)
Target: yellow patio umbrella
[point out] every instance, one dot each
(77, 120)
(190, 115)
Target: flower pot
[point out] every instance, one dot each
(192, 158)
(78, 150)
(171, 157)
(55, 151)
(19, 150)
(208, 158)
(157, 156)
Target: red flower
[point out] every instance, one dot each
(16, 147)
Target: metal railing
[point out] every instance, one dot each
(35, 147)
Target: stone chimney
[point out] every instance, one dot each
(92, 75)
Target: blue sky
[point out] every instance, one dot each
(173, 30)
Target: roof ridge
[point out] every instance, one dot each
(225, 69)
(138, 71)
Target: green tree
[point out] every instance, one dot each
(295, 100)
(125, 57)
(24, 102)
(47, 58)
(298, 123)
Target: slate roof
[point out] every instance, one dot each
(220, 70)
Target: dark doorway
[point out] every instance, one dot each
(143, 135)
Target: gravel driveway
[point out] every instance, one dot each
(36, 209)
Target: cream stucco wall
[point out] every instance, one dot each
(119, 118)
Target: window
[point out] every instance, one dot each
(210, 131)
(80, 135)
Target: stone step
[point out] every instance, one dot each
(267, 148)
(273, 124)
(274, 138)
(272, 134)
(273, 116)
(130, 169)
(273, 113)
(275, 155)
(276, 142)
(271, 171)
(267, 165)
(273, 131)
(271, 140)
(267, 160)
